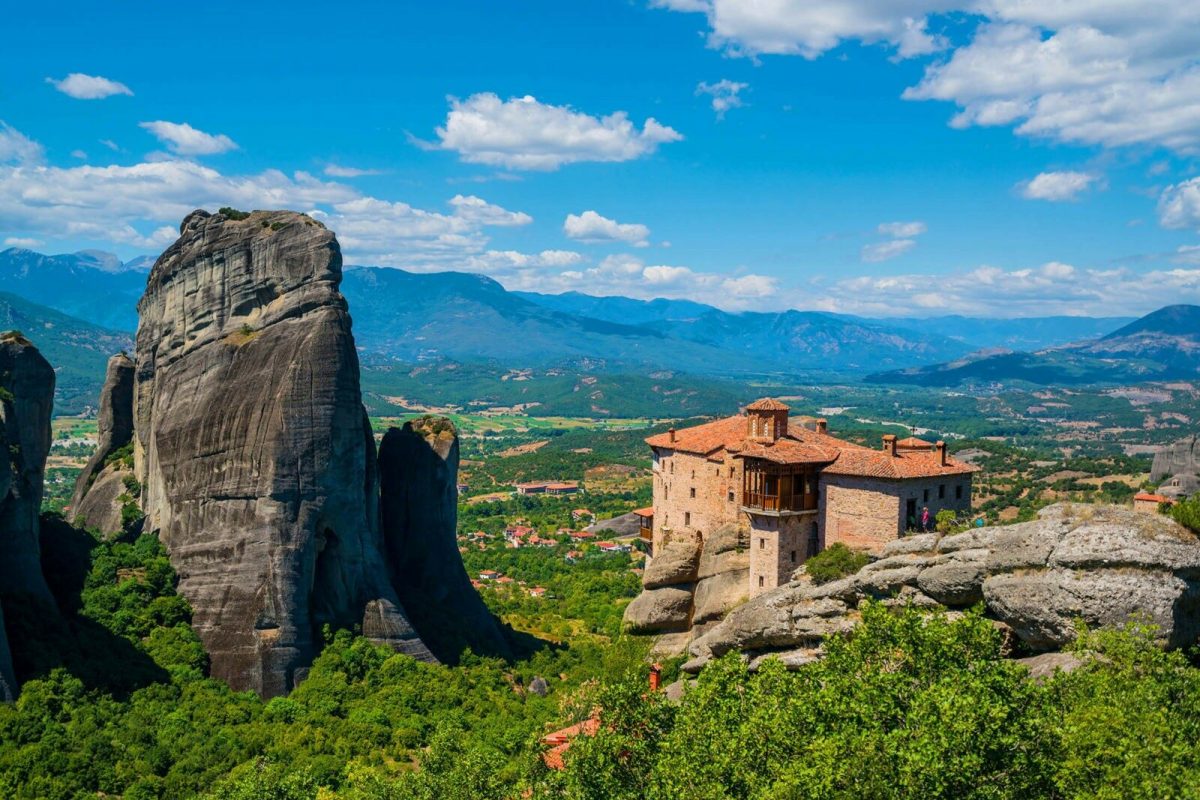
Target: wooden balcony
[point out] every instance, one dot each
(779, 489)
(645, 534)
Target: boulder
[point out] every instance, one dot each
(664, 610)
(674, 563)
(418, 473)
(1104, 565)
(253, 450)
(719, 594)
(26, 405)
(99, 508)
(114, 426)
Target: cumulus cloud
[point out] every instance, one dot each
(25, 242)
(724, 93)
(88, 87)
(1056, 186)
(339, 171)
(523, 134)
(593, 228)
(481, 212)
(882, 251)
(1091, 72)
(17, 147)
(1050, 289)
(1179, 205)
(185, 140)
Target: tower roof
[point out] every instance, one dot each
(766, 404)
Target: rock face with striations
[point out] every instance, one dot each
(1105, 565)
(26, 404)
(95, 503)
(252, 447)
(418, 470)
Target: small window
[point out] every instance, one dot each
(760, 581)
(693, 474)
(672, 467)
(731, 495)
(687, 518)
(925, 496)
(941, 491)
(793, 556)
(762, 543)
(731, 471)
(692, 492)
(958, 492)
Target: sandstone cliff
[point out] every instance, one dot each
(688, 586)
(26, 404)
(418, 468)
(254, 454)
(1105, 565)
(1177, 466)
(95, 502)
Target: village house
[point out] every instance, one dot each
(794, 489)
(548, 487)
(515, 535)
(489, 575)
(1149, 503)
(581, 514)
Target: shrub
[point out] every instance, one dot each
(1187, 513)
(836, 561)
(232, 213)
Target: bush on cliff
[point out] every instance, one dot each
(835, 561)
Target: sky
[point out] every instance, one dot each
(1000, 158)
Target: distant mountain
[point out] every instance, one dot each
(1021, 333)
(91, 285)
(78, 350)
(1163, 345)
(406, 316)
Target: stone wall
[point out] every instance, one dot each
(867, 513)
(778, 545)
(693, 495)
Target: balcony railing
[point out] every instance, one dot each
(646, 534)
(773, 502)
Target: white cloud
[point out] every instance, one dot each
(725, 94)
(522, 133)
(339, 171)
(1179, 205)
(882, 251)
(481, 212)
(80, 154)
(1056, 186)
(110, 144)
(17, 147)
(1050, 289)
(185, 140)
(88, 87)
(1106, 72)
(25, 242)
(902, 230)
(593, 228)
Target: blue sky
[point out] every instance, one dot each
(883, 157)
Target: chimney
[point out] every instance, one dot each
(671, 433)
(655, 677)
(889, 444)
(822, 426)
(940, 449)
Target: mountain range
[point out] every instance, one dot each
(408, 318)
(1163, 345)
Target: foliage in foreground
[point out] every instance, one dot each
(835, 561)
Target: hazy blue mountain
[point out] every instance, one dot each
(77, 349)
(1025, 333)
(91, 285)
(622, 310)
(1163, 345)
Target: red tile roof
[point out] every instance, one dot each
(913, 443)
(804, 446)
(1151, 498)
(648, 511)
(560, 740)
(766, 404)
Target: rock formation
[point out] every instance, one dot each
(252, 448)
(418, 470)
(1105, 565)
(1177, 468)
(26, 405)
(95, 503)
(687, 586)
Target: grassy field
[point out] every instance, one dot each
(485, 423)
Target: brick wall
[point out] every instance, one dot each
(867, 513)
(778, 545)
(693, 495)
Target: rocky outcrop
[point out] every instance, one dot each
(95, 503)
(688, 585)
(254, 455)
(1177, 468)
(1104, 565)
(26, 405)
(418, 471)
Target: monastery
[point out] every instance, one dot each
(793, 489)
